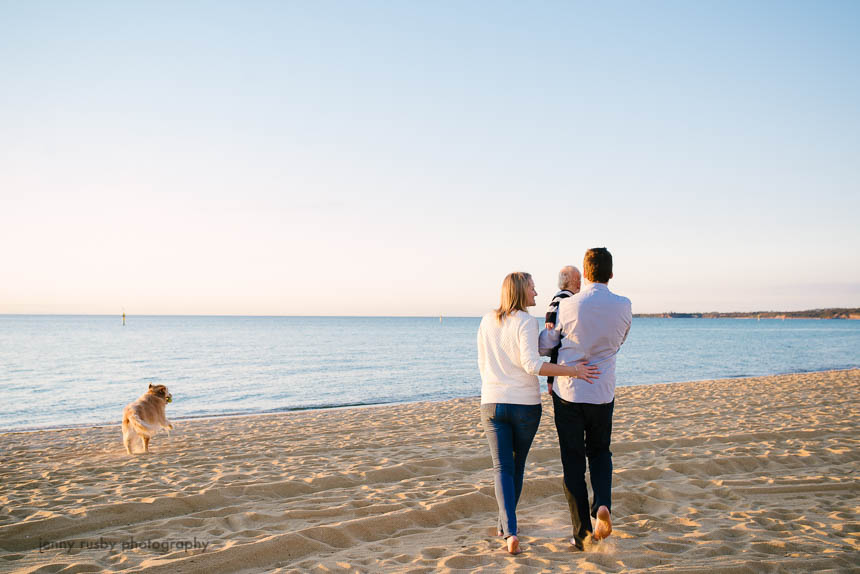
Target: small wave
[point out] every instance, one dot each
(325, 406)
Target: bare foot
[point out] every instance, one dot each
(604, 524)
(513, 545)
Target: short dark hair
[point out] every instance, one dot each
(597, 265)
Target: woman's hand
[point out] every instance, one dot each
(587, 373)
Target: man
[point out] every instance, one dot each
(591, 327)
(569, 281)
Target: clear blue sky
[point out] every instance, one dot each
(399, 158)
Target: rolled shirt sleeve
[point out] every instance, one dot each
(528, 342)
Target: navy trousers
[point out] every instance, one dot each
(584, 431)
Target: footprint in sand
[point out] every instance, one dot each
(464, 562)
(669, 547)
(433, 552)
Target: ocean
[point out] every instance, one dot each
(64, 371)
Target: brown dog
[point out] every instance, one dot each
(145, 417)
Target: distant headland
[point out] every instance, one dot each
(853, 313)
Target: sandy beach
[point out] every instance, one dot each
(745, 475)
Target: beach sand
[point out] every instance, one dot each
(747, 475)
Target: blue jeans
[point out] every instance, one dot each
(510, 431)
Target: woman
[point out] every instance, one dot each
(510, 392)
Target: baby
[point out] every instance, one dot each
(569, 281)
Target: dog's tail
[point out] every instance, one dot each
(142, 427)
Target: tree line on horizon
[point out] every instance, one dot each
(836, 313)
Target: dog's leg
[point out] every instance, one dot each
(126, 436)
(146, 444)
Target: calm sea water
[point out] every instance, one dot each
(76, 370)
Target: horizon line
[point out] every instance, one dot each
(383, 316)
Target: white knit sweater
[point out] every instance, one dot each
(508, 359)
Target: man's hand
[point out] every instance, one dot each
(549, 387)
(549, 326)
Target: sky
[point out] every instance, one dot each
(400, 158)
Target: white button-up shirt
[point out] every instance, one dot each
(591, 326)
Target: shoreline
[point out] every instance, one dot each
(658, 316)
(721, 475)
(778, 318)
(289, 410)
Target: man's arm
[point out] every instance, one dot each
(628, 318)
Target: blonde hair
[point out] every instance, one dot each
(514, 294)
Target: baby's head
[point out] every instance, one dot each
(570, 279)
